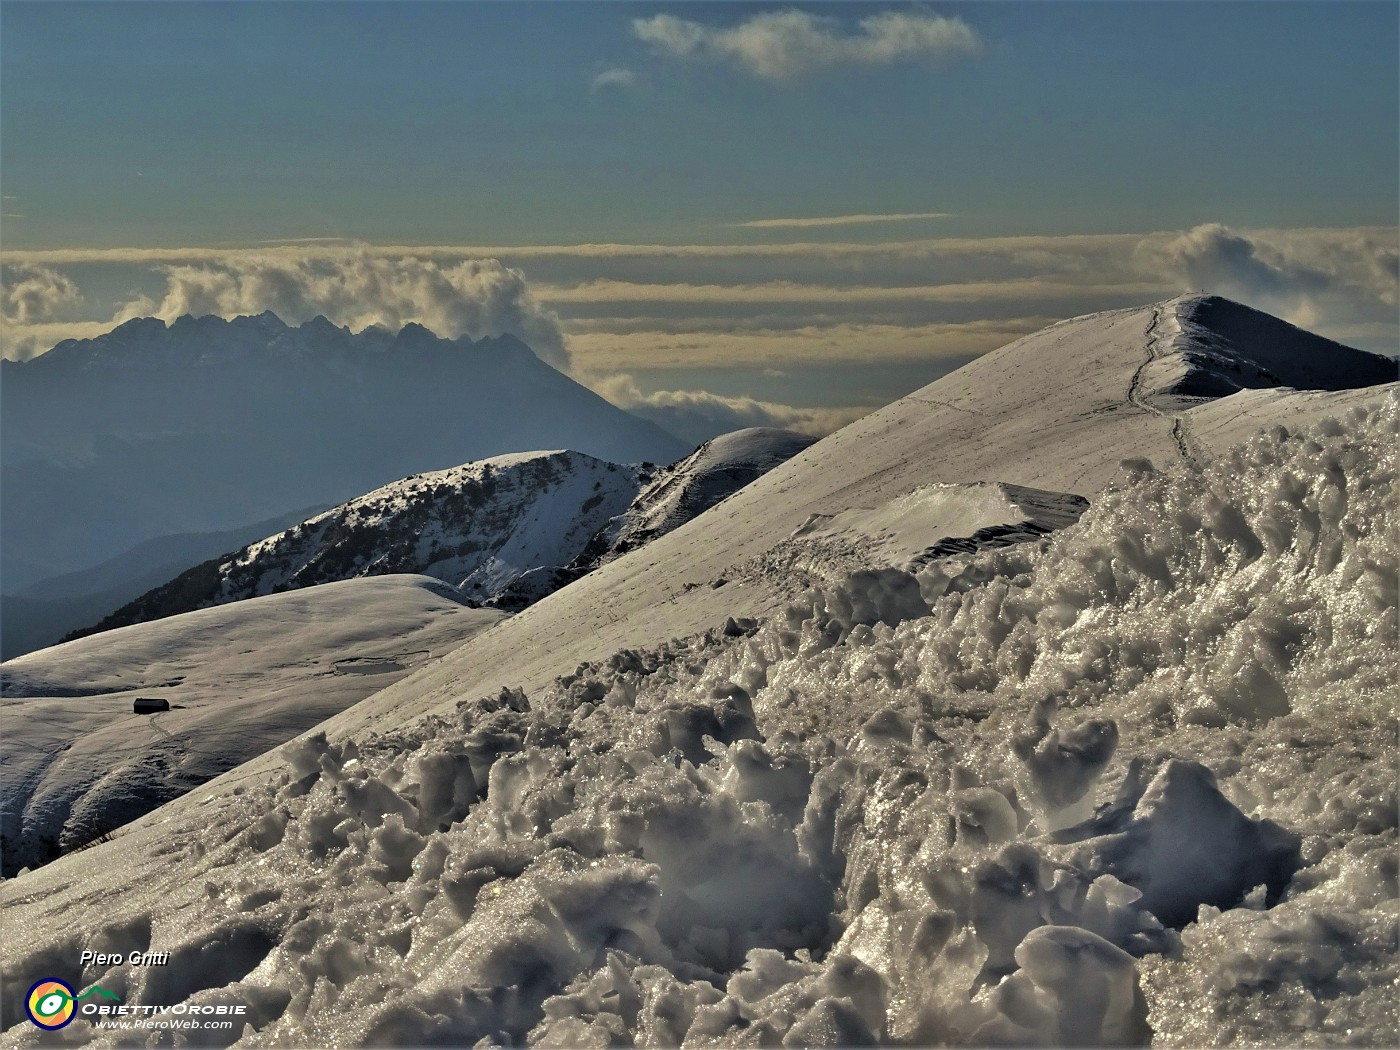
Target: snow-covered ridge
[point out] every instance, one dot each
(712, 472)
(1205, 347)
(505, 531)
(1053, 411)
(479, 527)
(1133, 785)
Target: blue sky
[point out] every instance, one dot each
(211, 123)
(513, 126)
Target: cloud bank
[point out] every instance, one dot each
(697, 415)
(840, 220)
(358, 288)
(643, 308)
(785, 45)
(1306, 281)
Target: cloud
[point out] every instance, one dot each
(1349, 279)
(22, 342)
(34, 294)
(1212, 256)
(784, 45)
(617, 77)
(1046, 247)
(698, 415)
(358, 288)
(639, 306)
(615, 345)
(794, 292)
(841, 220)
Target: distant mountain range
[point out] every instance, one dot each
(43, 612)
(505, 531)
(130, 457)
(206, 425)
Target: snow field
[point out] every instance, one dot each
(1132, 783)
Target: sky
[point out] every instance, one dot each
(783, 213)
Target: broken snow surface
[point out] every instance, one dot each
(1133, 782)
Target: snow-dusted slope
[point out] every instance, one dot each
(210, 424)
(75, 762)
(863, 817)
(716, 469)
(479, 527)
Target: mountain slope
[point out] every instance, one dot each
(1208, 347)
(75, 762)
(1054, 411)
(712, 472)
(209, 424)
(506, 531)
(478, 527)
(1129, 782)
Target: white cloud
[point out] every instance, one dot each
(1213, 257)
(841, 220)
(617, 76)
(1346, 279)
(34, 294)
(1045, 247)
(783, 45)
(697, 415)
(22, 342)
(358, 288)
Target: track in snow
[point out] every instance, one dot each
(1180, 432)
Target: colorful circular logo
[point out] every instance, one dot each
(50, 1003)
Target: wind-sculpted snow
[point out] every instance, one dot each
(1131, 783)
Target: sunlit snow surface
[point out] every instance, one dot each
(1133, 782)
